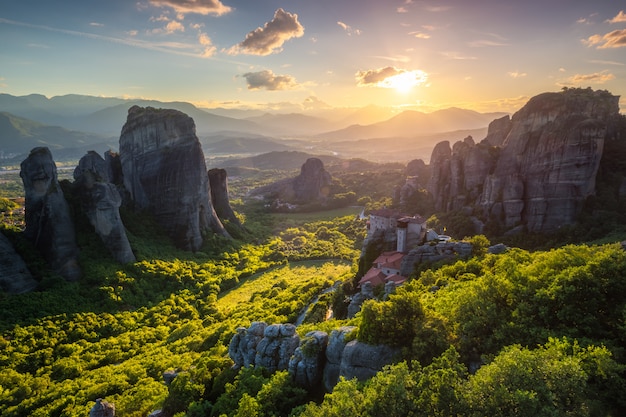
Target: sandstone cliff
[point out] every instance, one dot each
(533, 171)
(165, 173)
(48, 222)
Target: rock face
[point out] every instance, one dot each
(15, 278)
(277, 346)
(218, 181)
(165, 173)
(362, 361)
(101, 202)
(48, 222)
(312, 185)
(307, 363)
(434, 253)
(334, 351)
(533, 171)
(242, 347)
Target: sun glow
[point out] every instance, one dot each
(404, 81)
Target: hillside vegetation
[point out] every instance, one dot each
(516, 334)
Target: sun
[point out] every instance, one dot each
(403, 82)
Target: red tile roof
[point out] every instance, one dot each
(391, 260)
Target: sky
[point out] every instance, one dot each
(305, 55)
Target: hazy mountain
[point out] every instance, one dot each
(286, 160)
(412, 123)
(19, 135)
(106, 115)
(292, 124)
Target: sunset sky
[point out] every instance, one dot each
(296, 55)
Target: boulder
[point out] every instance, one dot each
(306, 366)
(165, 174)
(102, 408)
(101, 201)
(48, 222)
(15, 278)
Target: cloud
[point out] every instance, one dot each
(615, 39)
(349, 30)
(516, 74)
(267, 80)
(620, 18)
(209, 48)
(595, 78)
(270, 38)
(203, 7)
(402, 10)
(390, 77)
(96, 24)
(420, 35)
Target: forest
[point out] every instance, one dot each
(531, 331)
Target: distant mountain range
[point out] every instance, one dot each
(86, 122)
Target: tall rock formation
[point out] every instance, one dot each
(15, 278)
(534, 171)
(165, 173)
(48, 222)
(311, 186)
(218, 182)
(101, 202)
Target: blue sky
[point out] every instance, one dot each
(297, 55)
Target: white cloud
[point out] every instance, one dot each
(390, 77)
(267, 80)
(270, 38)
(517, 74)
(614, 39)
(203, 7)
(207, 44)
(348, 29)
(619, 18)
(594, 78)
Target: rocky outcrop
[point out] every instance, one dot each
(534, 171)
(277, 346)
(314, 359)
(306, 366)
(362, 361)
(433, 253)
(15, 278)
(366, 293)
(48, 222)
(102, 408)
(218, 182)
(101, 201)
(311, 186)
(498, 130)
(165, 173)
(242, 347)
(336, 344)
